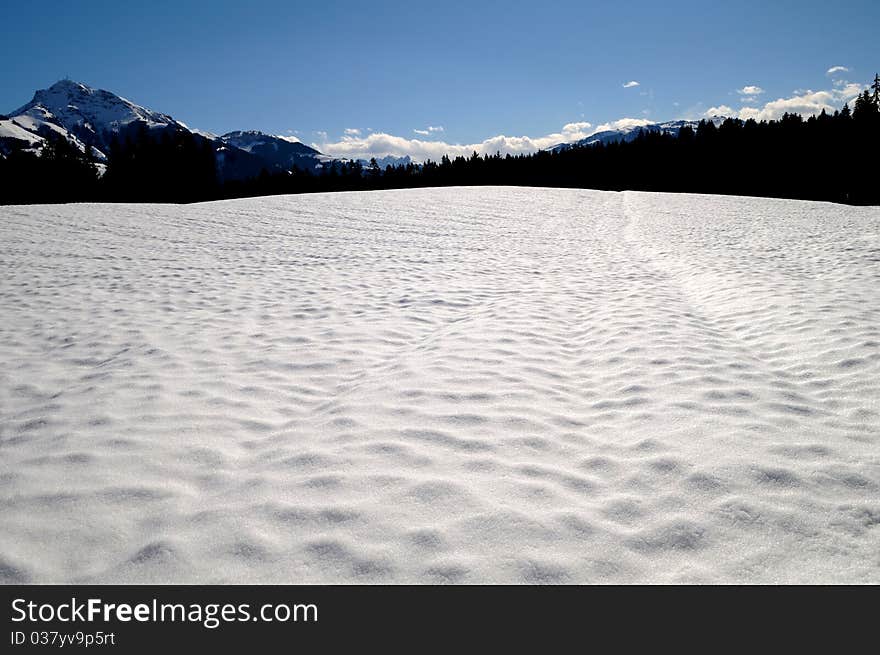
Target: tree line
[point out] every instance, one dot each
(832, 157)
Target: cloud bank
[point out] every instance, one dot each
(802, 101)
(381, 144)
(807, 103)
(354, 144)
(622, 124)
(720, 110)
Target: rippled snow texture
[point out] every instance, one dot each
(442, 385)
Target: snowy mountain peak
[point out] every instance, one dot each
(68, 86)
(255, 134)
(254, 139)
(281, 153)
(388, 160)
(80, 108)
(83, 115)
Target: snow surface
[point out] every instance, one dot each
(9, 129)
(441, 385)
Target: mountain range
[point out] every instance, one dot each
(92, 118)
(630, 133)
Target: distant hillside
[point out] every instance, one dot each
(632, 132)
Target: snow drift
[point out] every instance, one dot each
(441, 385)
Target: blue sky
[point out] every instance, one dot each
(386, 71)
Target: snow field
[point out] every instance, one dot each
(441, 385)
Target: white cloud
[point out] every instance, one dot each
(849, 91)
(805, 102)
(630, 84)
(750, 90)
(623, 124)
(429, 130)
(352, 131)
(837, 69)
(380, 144)
(576, 128)
(354, 144)
(721, 110)
(289, 137)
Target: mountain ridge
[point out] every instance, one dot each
(631, 132)
(92, 118)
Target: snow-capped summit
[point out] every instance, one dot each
(388, 160)
(82, 114)
(75, 104)
(278, 152)
(256, 141)
(90, 115)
